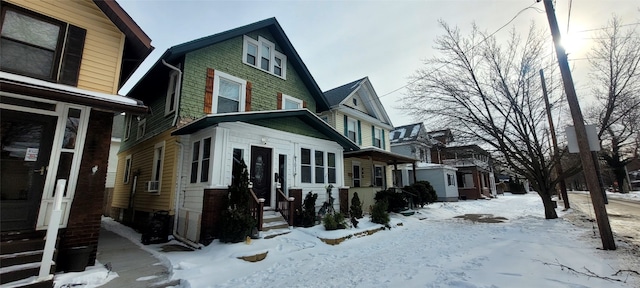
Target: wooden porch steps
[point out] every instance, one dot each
(20, 256)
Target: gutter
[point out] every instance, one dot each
(179, 86)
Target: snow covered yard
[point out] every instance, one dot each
(437, 251)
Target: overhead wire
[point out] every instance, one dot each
(473, 47)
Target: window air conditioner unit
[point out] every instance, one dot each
(153, 187)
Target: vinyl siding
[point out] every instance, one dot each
(104, 43)
(142, 160)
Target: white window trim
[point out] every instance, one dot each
(127, 170)
(286, 98)
(258, 43)
(216, 92)
(141, 124)
(377, 135)
(157, 158)
(200, 159)
(173, 87)
(355, 129)
(127, 127)
(325, 165)
(382, 170)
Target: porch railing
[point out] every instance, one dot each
(285, 206)
(256, 205)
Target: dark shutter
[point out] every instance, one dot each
(382, 132)
(359, 134)
(373, 135)
(247, 104)
(304, 104)
(72, 55)
(208, 91)
(346, 126)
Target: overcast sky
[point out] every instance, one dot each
(342, 41)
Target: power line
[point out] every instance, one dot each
(474, 46)
(604, 28)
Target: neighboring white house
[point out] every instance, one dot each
(413, 140)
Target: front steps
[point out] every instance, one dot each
(274, 224)
(20, 256)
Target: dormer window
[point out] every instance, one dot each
(262, 55)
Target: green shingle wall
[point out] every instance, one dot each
(292, 125)
(227, 57)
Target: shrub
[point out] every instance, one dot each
(517, 187)
(334, 221)
(308, 214)
(427, 194)
(395, 201)
(379, 213)
(356, 206)
(237, 222)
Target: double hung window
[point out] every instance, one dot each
(262, 55)
(200, 160)
(229, 93)
(319, 168)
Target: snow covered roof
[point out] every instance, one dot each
(35, 87)
(409, 133)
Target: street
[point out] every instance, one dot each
(624, 215)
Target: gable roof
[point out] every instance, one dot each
(178, 51)
(336, 95)
(137, 43)
(303, 115)
(371, 101)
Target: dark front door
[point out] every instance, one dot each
(26, 141)
(261, 173)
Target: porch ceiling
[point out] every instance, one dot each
(303, 115)
(377, 154)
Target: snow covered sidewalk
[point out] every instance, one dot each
(439, 251)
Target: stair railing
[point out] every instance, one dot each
(285, 206)
(256, 206)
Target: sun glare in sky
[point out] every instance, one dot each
(575, 41)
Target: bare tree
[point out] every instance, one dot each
(489, 91)
(615, 62)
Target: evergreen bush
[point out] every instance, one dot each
(356, 206)
(517, 187)
(334, 221)
(379, 213)
(308, 215)
(237, 222)
(395, 201)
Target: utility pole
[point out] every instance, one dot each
(556, 152)
(586, 158)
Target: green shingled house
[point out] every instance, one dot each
(239, 94)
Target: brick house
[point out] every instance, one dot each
(239, 94)
(58, 88)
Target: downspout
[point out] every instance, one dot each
(179, 85)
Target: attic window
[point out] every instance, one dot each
(355, 101)
(262, 55)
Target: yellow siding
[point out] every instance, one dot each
(104, 44)
(142, 160)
